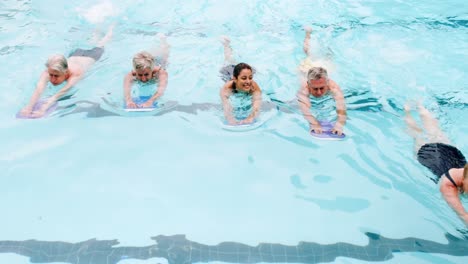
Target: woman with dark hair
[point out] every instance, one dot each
(241, 96)
(445, 161)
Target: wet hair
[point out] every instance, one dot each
(239, 67)
(57, 62)
(143, 60)
(237, 70)
(316, 73)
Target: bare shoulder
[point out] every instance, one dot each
(160, 71)
(44, 78)
(44, 74)
(303, 90)
(226, 89)
(256, 87)
(446, 186)
(335, 88)
(303, 83)
(333, 85)
(130, 76)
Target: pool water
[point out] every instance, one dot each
(173, 186)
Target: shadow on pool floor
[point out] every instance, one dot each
(178, 250)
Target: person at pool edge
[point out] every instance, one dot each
(446, 162)
(316, 83)
(145, 70)
(60, 70)
(239, 81)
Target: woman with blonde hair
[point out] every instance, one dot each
(147, 71)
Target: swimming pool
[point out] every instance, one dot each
(272, 194)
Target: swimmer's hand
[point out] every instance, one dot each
(147, 104)
(246, 121)
(41, 111)
(317, 128)
(38, 113)
(337, 129)
(131, 104)
(26, 111)
(231, 121)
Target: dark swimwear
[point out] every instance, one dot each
(94, 53)
(439, 158)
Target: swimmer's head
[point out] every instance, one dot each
(243, 77)
(143, 65)
(316, 73)
(57, 68)
(239, 67)
(317, 81)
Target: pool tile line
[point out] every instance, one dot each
(178, 250)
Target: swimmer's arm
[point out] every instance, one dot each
(304, 105)
(340, 105)
(225, 93)
(451, 196)
(162, 85)
(40, 87)
(256, 102)
(128, 81)
(54, 98)
(70, 83)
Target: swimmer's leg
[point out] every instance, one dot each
(228, 59)
(165, 49)
(413, 129)
(431, 125)
(161, 52)
(107, 37)
(88, 57)
(306, 63)
(306, 45)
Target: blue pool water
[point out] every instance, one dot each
(139, 183)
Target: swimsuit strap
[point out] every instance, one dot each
(447, 174)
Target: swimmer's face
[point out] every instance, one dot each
(56, 77)
(318, 88)
(144, 75)
(244, 80)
